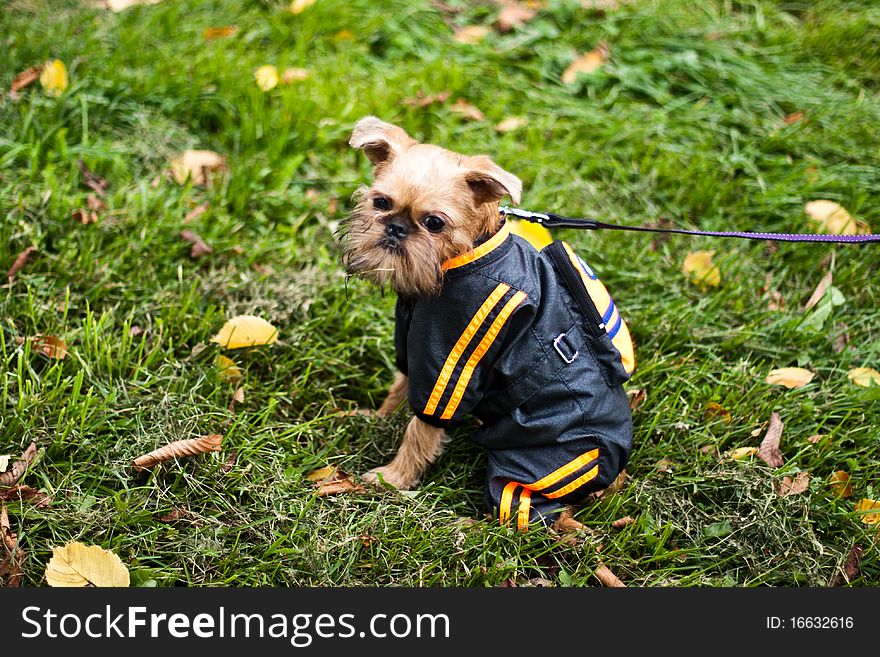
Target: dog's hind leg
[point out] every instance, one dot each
(422, 445)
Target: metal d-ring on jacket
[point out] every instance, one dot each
(530, 343)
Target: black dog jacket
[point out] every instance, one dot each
(532, 345)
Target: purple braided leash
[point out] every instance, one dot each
(551, 220)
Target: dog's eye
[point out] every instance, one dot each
(434, 223)
(382, 203)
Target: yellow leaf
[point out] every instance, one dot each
(790, 377)
(76, 564)
(211, 33)
(229, 371)
(534, 234)
(830, 217)
(699, 268)
(321, 473)
(196, 165)
(245, 331)
(54, 77)
(512, 123)
(587, 63)
(343, 35)
(267, 77)
(471, 34)
(299, 6)
(840, 484)
(292, 75)
(743, 452)
(865, 377)
(868, 505)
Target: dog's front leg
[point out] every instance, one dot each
(395, 396)
(422, 445)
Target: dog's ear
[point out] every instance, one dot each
(491, 183)
(381, 142)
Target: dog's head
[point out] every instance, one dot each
(426, 205)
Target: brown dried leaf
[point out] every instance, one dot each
(196, 212)
(422, 101)
(179, 513)
(664, 465)
(793, 117)
(587, 63)
(22, 493)
(135, 331)
(815, 438)
(466, 110)
(540, 582)
(83, 217)
(230, 461)
(20, 261)
(841, 340)
(178, 449)
(511, 123)
(26, 78)
(238, 397)
(768, 451)
(17, 469)
(11, 555)
(50, 346)
(199, 246)
(470, 34)
(796, 486)
(841, 485)
(716, 410)
(620, 523)
(851, 568)
(608, 579)
(819, 292)
(566, 523)
(514, 14)
(636, 397)
(92, 180)
(338, 482)
(509, 583)
(211, 33)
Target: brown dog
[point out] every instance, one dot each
(529, 342)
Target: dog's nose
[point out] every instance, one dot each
(396, 230)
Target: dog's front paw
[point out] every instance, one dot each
(390, 475)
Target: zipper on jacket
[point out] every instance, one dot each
(577, 289)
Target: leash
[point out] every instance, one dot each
(551, 220)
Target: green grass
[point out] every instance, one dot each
(685, 122)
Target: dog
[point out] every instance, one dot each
(529, 342)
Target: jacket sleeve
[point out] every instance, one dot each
(452, 346)
(402, 319)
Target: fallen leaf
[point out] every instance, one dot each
(119, 5)
(196, 212)
(20, 261)
(26, 78)
(344, 35)
(716, 410)
(511, 123)
(92, 180)
(197, 165)
(514, 14)
(299, 6)
(135, 331)
(199, 246)
(608, 579)
(742, 452)
(49, 346)
(245, 331)
(229, 371)
(540, 582)
(211, 33)
(16, 470)
(664, 465)
(620, 523)
(587, 63)
(266, 77)
(841, 485)
(84, 217)
(338, 482)
(636, 397)
(851, 568)
(466, 110)
(815, 438)
(230, 461)
(53, 77)
(866, 377)
(819, 292)
(616, 486)
(4, 463)
(471, 34)
(841, 340)
(22, 493)
(796, 486)
(509, 583)
(793, 117)
(422, 101)
(768, 451)
(178, 449)
(790, 377)
(321, 473)
(862, 506)
(776, 301)
(76, 564)
(178, 513)
(238, 397)
(701, 271)
(831, 217)
(291, 75)
(11, 555)
(709, 449)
